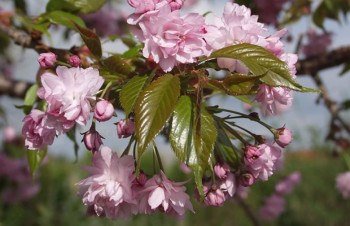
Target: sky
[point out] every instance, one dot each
(303, 115)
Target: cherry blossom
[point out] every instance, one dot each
(343, 184)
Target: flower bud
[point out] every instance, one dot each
(251, 154)
(215, 197)
(284, 137)
(74, 61)
(125, 128)
(175, 4)
(141, 179)
(92, 140)
(246, 180)
(104, 110)
(47, 60)
(221, 170)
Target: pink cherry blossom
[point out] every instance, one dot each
(273, 207)
(125, 128)
(107, 190)
(264, 166)
(143, 6)
(343, 184)
(228, 185)
(167, 196)
(175, 4)
(246, 180)
(47, 60)
(251, 153)
(104, 110)
(273, 100)
(236, 26)
(171, 39)
(92, 140)
(74, 61)
(37, 135)
(70, 91)
(285, 137)
(288, 184)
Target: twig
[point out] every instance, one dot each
(13, 88)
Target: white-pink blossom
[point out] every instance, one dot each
(343, 184)
(125, 128)
(264, 166)
(37, 135)
(108, 190)
(104, 110)
(171, 39)
(167, 196)
(70, 91)
(273, 100)
(285, 137)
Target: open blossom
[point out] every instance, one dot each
(107, 191)
(236, 26)
(37, 135)
(70, 91)
(213, 196)
(343, 184)
(273, 207)
(264, 166)
(167, 196)
(171, 39)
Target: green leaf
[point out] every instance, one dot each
(181, 127)
(64, 18)
(91, 40)
(31, 95)
(204, 137)
(133, 52)
(226, 149)
(116, 64)
(153, 108)
(130, 92)
(34, 158)
(263, 63)
(77, 6)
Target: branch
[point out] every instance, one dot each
(13, 88)
(19, 37)
(312, 65)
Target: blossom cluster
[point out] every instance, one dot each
(114, 191)
(171, 39)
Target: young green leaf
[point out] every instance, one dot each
(153, 108)
(130, 92)
(77, 6)
(116, 64)
(34, 158)
(64, 18)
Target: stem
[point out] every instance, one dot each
(127, 149)
(155, 150)
(106, 89)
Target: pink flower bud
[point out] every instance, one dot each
(74, 61)
(221, 170)
(9, 134)
(251, 154)
(104, 110)
(141, 179)
(175, 4)
(47, 60)
(125, 128)
(215, 197)
(92, 140)
(284, 137)
(246, 180)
